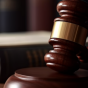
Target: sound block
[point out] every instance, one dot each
(44, 77)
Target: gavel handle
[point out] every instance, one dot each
(83, 55)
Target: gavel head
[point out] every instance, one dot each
(68, 36)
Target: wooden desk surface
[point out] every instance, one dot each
(1, 85)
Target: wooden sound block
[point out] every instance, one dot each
(44, 77)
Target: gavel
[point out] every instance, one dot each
(68, 40)
(68, 37)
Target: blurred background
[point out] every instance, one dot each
(25, 27)
(27, 15)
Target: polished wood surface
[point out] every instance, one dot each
(64, 56)
(73, 11)
(44, 77)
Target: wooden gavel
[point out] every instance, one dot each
(68, 40)
(68, 36)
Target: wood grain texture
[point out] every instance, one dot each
(44, 77)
